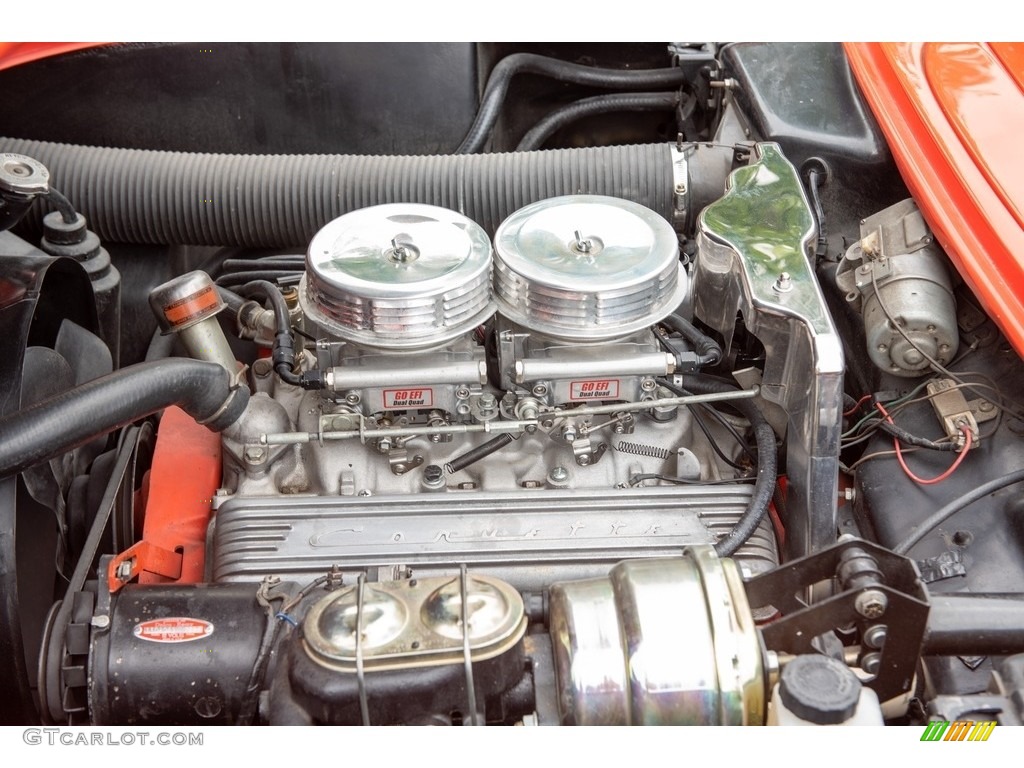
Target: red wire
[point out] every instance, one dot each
(968, 439)
(780, 529)
(857, 406)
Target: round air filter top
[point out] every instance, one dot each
(587, 268)
(399, 276)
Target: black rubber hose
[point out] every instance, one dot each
(161, 346)
(269, 275)
(950, 509)
(272, 294)
(73, 418)
(595, 105)
(232, 299)
(708, 350)
(284, 343)
(281, 201)
(291, 263)
(474, 455)
(62, 204)
(767, 460)
(283, 354)
(814, 180)
(563, 71)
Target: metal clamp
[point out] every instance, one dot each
(143, 556)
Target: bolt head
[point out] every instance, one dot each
(254, 453)
(648, 385)
(871, 603)
(871, 663)
(874, 637)
(352, 398)
(584, 460)
(540, 390)
(559, 474)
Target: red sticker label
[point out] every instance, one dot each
(173, 630)
(594, 389)
(409, 398)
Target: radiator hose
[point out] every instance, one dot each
(281, 201)
(73, 418)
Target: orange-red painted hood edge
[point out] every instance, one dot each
(14, 54)
(948, 112)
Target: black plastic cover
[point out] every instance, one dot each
(803, 96)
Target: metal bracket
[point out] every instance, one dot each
(874, 587)
(761, 229)
(586, 453)
(401, 462)
(142, 556)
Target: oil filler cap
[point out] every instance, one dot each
(819, 689)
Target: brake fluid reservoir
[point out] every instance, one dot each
(820, 690)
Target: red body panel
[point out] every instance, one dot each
(13, 54)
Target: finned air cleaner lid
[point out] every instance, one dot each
(399, 276)
(585, 267)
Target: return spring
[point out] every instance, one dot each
(638, 449)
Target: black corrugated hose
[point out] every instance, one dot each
(563, 71)
(595, 105)
(281, 201)
(73, 418)
(767, 460)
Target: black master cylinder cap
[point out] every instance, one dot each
(820, 689)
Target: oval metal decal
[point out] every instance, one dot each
(176, 629)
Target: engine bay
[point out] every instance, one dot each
(657, 400)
